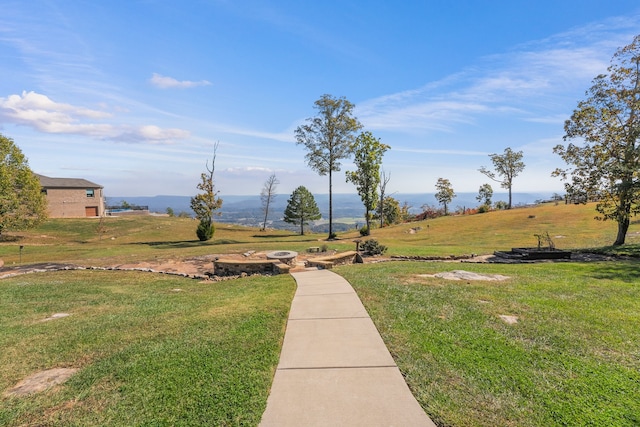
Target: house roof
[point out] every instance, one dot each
(48, 182)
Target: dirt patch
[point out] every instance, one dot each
(41, 381)
(55, 316)
(466, 275)
(510, 320)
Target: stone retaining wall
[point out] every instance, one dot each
(329, 261)
(223, 267)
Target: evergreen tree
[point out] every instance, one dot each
(301, 208)
(206, 203)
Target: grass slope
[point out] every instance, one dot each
(572, 358)
(205, 355)
(127, 239)
(148, 354)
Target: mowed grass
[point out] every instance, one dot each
(569, 226)
(150, 355)
(129, 239)
(144, 238)
(150, 349)
(573, 358)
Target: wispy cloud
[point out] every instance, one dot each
(164, 82)
(447, 152)
(530, 82)
(45, 115)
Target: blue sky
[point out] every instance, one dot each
(133, 94)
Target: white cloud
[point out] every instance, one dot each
(45, 115)
(164, 82)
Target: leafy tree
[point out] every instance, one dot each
(171, 212)
(606, 166)
(206, 203)
(507, 166)
(268, 195)
(22, 204)
(444, 194)
(485, 193)
(328, 138)
(368, 152)
(301, 208)
(389, 212)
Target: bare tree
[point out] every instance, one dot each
(267, 196)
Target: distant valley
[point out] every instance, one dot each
(348, 211)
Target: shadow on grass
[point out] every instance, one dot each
(182, 244)
(281, 236)
(630, 250)
(627, 271)
(4, 239)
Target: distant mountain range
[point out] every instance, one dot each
(247, 210)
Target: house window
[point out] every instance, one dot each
(89, 192)
(44, 191)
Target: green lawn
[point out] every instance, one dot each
(151, 355)
(572, 359)
(151, 349)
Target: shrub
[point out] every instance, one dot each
(364, 231)
(205, 230)
(483, 209)
(501, 205)
(372, 247)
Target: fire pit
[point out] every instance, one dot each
(287, 257)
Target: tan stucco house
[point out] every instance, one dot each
(72, 197)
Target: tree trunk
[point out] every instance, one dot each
(623, 226)
(509, 205)
(366, 217)
(266, 214)
(330, 205)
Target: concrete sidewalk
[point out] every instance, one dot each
(334, 368)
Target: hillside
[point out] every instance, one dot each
(151, 237)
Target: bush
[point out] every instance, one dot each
(205, 230)
(483, 209)
(364, 231)
(501, 205)
(372, 247)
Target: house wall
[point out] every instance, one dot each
(73, 202)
